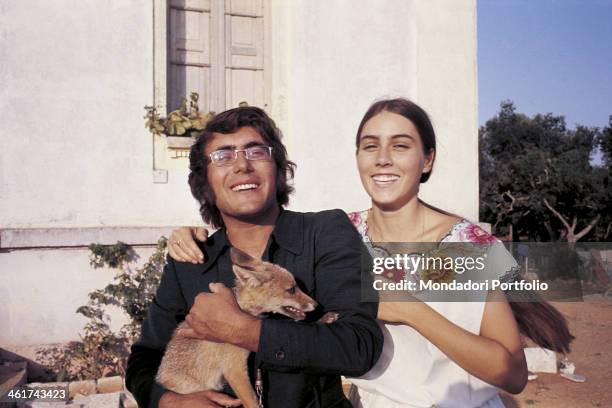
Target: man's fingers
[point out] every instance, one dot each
(187, 331)
(217, 287)
(223, 399)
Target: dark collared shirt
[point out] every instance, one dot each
(301, 361)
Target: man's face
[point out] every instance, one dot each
(244, 189)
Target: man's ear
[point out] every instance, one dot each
(245, 277)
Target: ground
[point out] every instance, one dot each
(591, 323)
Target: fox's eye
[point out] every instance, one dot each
(291, 290)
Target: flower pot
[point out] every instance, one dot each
(180, 142)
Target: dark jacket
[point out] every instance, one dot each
(301, 361)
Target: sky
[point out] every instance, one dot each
(546, 56)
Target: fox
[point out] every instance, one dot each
(192, 365)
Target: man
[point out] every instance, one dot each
(239, 174)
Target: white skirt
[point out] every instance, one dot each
(364, 399)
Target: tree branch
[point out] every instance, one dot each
(559, 216)
(588, 227)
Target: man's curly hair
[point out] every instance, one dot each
(229, 122)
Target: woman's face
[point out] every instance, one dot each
(390, 159)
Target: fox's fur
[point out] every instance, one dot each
(191, 365)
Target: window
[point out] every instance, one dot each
(216, 48)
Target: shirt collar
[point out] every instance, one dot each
(289, 231)
(215, 246)
(288, 234)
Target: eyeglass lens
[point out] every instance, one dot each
(228, 156)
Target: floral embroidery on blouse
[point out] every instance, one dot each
(462, 231)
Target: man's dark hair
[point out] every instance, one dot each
(229, 122)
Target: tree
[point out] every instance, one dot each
(537, 180)
(604, 229)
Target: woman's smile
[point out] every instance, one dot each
(385, 180)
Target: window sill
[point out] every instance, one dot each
(35, 238)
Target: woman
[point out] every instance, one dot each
(444, 353)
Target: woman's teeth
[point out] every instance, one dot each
(385, 178)
(241, 187)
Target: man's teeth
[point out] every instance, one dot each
(241, 187)
(385, 178)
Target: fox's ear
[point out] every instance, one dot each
(243, 259)
(245, 277)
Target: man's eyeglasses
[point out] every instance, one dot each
(225, 157)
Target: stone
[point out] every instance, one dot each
(48, 385)
(109, 400)
(86, 387)
(109, 384)
(44, 404)
(12, 374)
(128, 400)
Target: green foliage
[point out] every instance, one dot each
(537, 179)
(181, 122)
(112, 256)
(605, 143)
(101, 352)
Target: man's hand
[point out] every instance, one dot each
(217, 317)
(201, 399)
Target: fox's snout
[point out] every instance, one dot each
(308, 304)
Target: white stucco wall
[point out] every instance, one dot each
(74, 79)
(41, 290)
(75, 75)
(73, 84)
(345, 54)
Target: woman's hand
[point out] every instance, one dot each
(182, 246)
(400, 312)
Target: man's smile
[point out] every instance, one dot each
(245, 187)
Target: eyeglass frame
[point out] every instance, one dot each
(236, 151)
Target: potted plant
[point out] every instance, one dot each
(182, 126)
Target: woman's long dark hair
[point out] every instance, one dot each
(542, 323)
(536, 318)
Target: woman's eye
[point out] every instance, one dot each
(369, 147)
(401, 147)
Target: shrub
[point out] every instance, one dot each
(101, 352)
